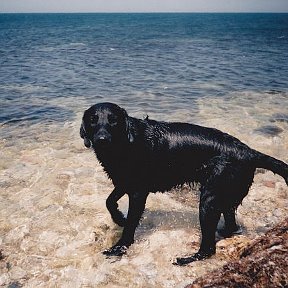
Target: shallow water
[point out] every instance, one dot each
(224, 71)
(53, 219)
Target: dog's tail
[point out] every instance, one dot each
(273, 164)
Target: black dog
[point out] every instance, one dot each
(142, 156)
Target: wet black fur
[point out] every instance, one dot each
(143, 156)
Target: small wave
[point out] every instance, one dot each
(274, 92)
(23, 88)
(47, 49)
(34, 114)
(72, 45)
(77, 44)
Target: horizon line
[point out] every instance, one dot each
(143, 12)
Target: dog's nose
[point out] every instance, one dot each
(102, 137)
(101, 140)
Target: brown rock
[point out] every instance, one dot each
(262, 264)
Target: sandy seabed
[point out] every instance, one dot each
(54, 223)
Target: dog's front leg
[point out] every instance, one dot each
(112, 206)
(137, 203)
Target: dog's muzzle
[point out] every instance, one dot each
(102, 137)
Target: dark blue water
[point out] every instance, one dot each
(54, 65)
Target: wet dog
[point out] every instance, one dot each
(143, 156)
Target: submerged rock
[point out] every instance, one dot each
(269, 130)
(279, 117)
(274, 92)
(262, 264)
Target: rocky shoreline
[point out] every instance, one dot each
(263, 263)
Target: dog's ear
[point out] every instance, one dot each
(128, 126)
(129, 131)
(84, 136)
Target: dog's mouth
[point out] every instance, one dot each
(101, 141)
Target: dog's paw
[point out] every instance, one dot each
(196, 257)
(116, 250)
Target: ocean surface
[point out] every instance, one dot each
(52, 65)
(228, 71)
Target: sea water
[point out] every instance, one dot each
(227, 71)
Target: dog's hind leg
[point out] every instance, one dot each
(211, 206)
(237, 187)
(231, 227)
(209, 214)
(228, 183)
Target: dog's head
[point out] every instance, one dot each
(104, 124)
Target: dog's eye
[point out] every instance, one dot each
(94, 119)
(112, 119)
